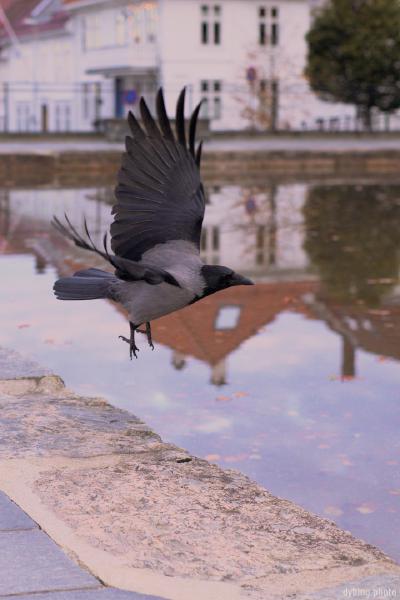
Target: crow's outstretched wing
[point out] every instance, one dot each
(160, 197)
(124, 268)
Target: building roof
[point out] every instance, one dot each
(31, 17)
(193, 332)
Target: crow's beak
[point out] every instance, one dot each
(240, 280)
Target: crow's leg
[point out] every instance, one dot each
(148, 333)
(132, 346)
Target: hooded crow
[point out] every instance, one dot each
(155, 235)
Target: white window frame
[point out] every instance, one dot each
(211, 95)
(210, 24)
(268, 25)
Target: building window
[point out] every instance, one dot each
(268, 26)
(210, 243)
(262, 37)
(150, 17)
(274, 103)
(142, 22)
(203, 240)
(215, 237)
(62, 120)
(120, 28)
(260, 244)
(85, 101)
(91, 29)
(23, 116)
(227, 317)
(210, 91)
(88, 100)
(210, 28)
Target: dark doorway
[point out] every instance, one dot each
(119, 103)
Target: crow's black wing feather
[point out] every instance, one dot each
(124, 268)
(159, 194)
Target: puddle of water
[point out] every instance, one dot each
(294, 381)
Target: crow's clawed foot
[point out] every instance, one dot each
(132, 346)
(131, 341)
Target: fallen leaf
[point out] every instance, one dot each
(23, 325)
(212, 457)
(235, 457)
(334, 511)
(366, 508)
(223, 398)
(394, 492)
(240, 394)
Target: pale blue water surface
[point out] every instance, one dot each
(294, 381)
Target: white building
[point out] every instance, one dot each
(79, 61)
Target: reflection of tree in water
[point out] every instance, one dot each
(353, 238)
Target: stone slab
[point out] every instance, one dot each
(100, 594)
(12, 517)
(42, 424)
(15, 366)
(31, 562)
(377, 587)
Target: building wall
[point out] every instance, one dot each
(186, 60)
(75, 73)
(38, 85)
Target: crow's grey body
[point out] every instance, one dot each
(181, 260)
(156, 230)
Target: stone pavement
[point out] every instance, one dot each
(33, 567)
(110, 504)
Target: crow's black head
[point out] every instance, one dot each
(219, 278)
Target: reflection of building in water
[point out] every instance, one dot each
(213, 328)
(26, 214)
(374, 330)
(265, 240)
(257, 233)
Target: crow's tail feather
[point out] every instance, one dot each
(89, 284)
